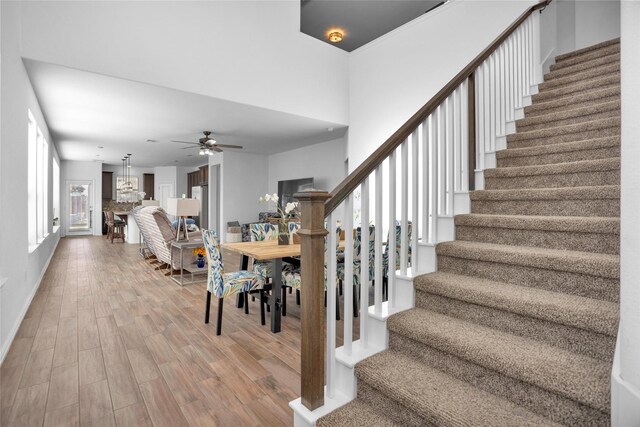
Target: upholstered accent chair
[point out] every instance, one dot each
(159, 234)
(223, 284)
(358, 272)
(385, 256)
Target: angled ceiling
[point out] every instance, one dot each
(362, 20)
(86, 110)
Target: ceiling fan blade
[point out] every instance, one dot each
(187, 148)
(185, 142)
(228, 146)
(216, 149)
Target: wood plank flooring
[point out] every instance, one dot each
(109, 341)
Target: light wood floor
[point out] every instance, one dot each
(109, 341)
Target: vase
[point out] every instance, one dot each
(283, 233)
(200, 261)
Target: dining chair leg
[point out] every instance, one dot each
(207, 308)
(284, 301)
(246, 302)
(298, 296)
(355, 301)
(262, 316)
(219, 323)
(337, 308)
(290, 290)
(340, 285)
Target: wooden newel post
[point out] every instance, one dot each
(312, 315)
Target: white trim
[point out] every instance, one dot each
(14, 331)
(625, 397)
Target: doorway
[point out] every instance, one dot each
(79, 207)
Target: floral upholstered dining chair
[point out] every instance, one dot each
(223, 284)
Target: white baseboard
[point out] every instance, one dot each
(625, 397)
(25, 308)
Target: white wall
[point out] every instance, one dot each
(250, 52)
(244, 180)
(393, 76)
(626, 375)
(21, 269)
(324, 162)
(568, 25)
(71, 170)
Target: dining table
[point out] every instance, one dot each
(268, 250)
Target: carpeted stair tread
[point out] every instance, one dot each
(598, 59)
(563, 147)
(612, 44)
(607, 81)
(555, 169)
(571, 310)
(356, 413)
(437, 397)
(587, 58)
(598, 225)
(588, 130)
(563, 152)
(568, 193)
(581, 99)
(577, 377)
(580, 77)
(586, 263)
(569, 116)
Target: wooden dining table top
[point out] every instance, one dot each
(266, 249)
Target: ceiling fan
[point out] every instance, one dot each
(207, 145)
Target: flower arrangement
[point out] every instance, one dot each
(201, 251)
(289, 212)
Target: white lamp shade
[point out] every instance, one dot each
(183, 207)
(151, 203)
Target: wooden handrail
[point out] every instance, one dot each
(355, 178)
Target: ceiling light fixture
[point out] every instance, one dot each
(335, 36)
(202, 151)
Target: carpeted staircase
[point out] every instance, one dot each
(518, 325)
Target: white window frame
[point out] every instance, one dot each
(38, 184)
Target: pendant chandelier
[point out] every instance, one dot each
(126, 186)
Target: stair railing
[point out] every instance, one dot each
(441, 150)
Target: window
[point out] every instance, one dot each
(56, 193)
(38, 183)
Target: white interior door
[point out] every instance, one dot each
(165, 191)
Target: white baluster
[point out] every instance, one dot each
(347, 286)
(426, 170)
(404, 209)
(378, 242)
(457, 128)
(464, 116)
(479, 119)
(364, 262)
(509, 78)
(492, 102)
(450, 141)
(532, 67)
(433, 168)
(415, 196)
(537, 61)
(442, 155)
(486, 143)
(518, 68)
(330, 258)
(391, 242)
(501, 90)
(525, 48)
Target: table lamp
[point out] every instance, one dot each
(182, 208)
(151, 203)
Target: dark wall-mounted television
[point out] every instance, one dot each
(286, 189)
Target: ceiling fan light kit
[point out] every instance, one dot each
(207, 145)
